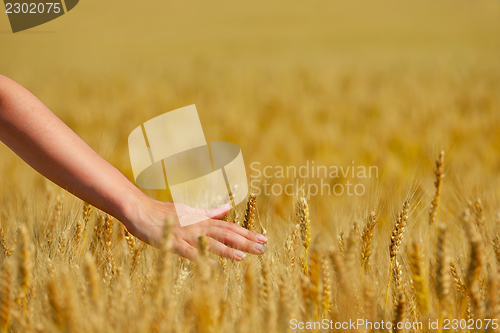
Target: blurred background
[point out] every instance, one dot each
(386, 83)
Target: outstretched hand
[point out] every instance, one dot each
(147, 225)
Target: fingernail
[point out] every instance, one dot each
(261, 238)
(226, 206)
(239, 255)
(259, 247)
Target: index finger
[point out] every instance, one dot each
(256, 237)
(214, 213)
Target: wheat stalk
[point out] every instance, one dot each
(25, 265)
(56, 304)
(400, 313)
(476, 264)
(443, 279)
(248, 318)
(419, 281)
(93, 280)
(492, 306)
(315, 280)
(284, 305)
(5, 297)
(327, 290)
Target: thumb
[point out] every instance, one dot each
(215, 213)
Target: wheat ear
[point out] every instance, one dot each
(3, 242)
(305, 226)
(434, 210)
(110, 267)
(396, 238)
(249, 221)
(366, 240)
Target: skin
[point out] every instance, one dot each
(43, 141)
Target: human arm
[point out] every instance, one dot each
(48, 145)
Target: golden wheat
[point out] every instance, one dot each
(249, 221)
(287, 98)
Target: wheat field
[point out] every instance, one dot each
(411, 88)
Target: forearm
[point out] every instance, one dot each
(42, 140)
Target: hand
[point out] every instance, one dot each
(146, 223)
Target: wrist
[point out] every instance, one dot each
(132, 206)
(143, 216)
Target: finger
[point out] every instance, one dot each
(223, 251)
(186, 250)
(233, 239)
(239, 230)
(193, 241)
(216, 213)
